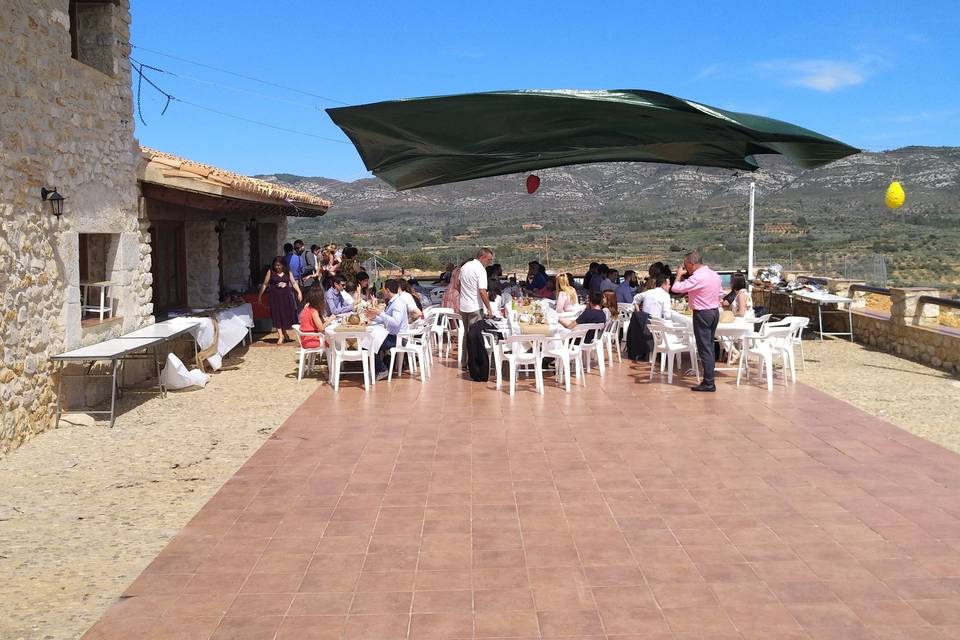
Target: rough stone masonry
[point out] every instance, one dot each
(67, 122)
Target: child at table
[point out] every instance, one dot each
(312, 317)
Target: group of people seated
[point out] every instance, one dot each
(318, 286)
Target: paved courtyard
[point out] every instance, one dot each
(626, 509)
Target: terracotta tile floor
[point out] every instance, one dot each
(626, 509)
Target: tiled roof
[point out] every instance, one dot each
(164, 167)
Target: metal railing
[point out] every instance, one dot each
(865, 288)
(940, 302)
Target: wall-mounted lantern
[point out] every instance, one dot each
(55, 200)
(221, 226)
(252, 224)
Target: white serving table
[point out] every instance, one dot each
(234, 323)
(114, 351)
(822, 300)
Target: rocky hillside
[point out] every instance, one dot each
(630, 211)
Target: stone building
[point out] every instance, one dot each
(66, 121)
(211, 230)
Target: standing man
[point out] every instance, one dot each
(295, 261)
(309, 259)
(473, 289)
(703, 288)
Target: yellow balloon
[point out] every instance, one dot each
(895, 195)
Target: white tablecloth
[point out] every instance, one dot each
(378, 333)
(235, 323)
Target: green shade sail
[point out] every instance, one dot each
(437, 140)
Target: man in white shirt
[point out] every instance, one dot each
(473, 292)
(393, 318)
(655, 302)
(473, 288)
(413, 311)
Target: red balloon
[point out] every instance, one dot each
(533, 183)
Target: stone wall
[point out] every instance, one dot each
(68, 125)
(235, 241)
(202, 273)
(909, 330)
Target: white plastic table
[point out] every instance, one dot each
(113, 351)
(378, 333)
(823, 299)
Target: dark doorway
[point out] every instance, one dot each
(168, 265)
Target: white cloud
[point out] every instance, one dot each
(819, 75)
(709, 71)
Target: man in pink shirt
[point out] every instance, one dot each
(703, 288)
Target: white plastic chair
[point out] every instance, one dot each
(568, 351)
(595, 345)
(308, 354)
(343, 350)
(774, 341)
(626, 314)
(669, 342)
(796, 338)
(414, 345)
(520, 351)
(611, 339)
(454, 326)
(437, 327)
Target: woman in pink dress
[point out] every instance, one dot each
(451, 295)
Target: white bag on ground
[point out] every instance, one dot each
(175, 375)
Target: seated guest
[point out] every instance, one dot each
(350, 293)
(312, 318)
(494, 272)
(655, 302)
(655, 269)
(548, 290)
(393, 319)
(336, 305)
(566, 294)
(364, 291)
(495, 293)
(740, 302)
(610, 308)
(411, 298)
(593, 314)
(626, 289)
(607, 277)
(536, 276)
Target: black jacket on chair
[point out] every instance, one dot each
(639, 338)
(478, 361)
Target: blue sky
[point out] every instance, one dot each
(877, 75)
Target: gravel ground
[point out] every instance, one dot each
(83, 509)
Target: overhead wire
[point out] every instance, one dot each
(228, 87)
(142, 77)
(240, 75)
